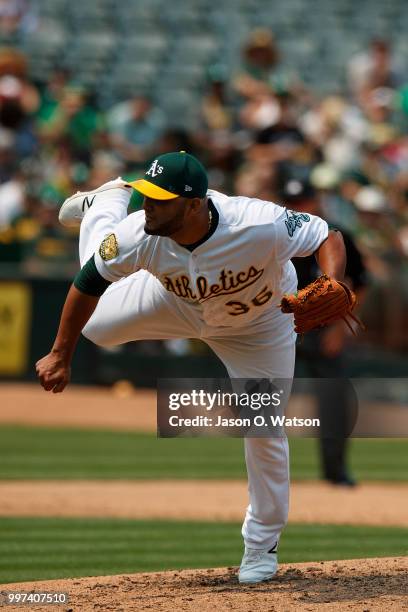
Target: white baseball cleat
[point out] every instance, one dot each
(74, 208)
(258, 565)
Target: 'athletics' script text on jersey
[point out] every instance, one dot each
(228, 282)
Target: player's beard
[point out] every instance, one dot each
(167, 228)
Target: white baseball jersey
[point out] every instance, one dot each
(238, 274)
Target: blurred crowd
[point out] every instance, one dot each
(256, 129)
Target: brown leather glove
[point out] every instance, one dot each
(320, 303)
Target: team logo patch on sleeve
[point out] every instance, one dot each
(109, 248)
(295, 220)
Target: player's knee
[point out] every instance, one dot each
(97, 335)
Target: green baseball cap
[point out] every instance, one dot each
(172, 175)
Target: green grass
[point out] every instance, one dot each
(34, 453)
(40, 548)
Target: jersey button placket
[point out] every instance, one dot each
(194, 263)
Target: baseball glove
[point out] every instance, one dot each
(320, 303)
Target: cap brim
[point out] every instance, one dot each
(152, 191)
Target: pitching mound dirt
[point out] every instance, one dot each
(366, 585)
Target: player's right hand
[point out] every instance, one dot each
(53, 372)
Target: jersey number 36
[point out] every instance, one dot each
(239, 308)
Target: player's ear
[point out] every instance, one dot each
(195, 205)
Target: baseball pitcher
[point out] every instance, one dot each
(195, 263)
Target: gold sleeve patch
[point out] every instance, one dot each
(109, 248)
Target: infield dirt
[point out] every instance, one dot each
(195, 500)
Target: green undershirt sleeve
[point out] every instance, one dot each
(89, 281)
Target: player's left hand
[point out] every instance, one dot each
(321, 303)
